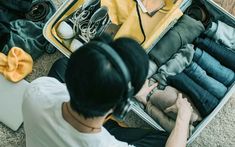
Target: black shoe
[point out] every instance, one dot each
(96, 25)
(72, 25)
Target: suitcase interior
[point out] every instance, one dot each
(219, 14)
(164, 19)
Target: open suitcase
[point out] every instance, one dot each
(155, 34)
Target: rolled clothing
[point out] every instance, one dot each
(164, 121)
(221, 53)
(177, 63)
(222, 33)
(199, 12)
(163, 99)
(202, 99)
(152, 68)
(213, 67)
(200, 76)
(178, 36)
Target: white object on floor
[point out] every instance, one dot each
(11, 98)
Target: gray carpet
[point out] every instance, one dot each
(219, 133)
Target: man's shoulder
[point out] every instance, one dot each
(45, 90)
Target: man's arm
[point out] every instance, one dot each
(179, 135)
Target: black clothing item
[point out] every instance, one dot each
(17, 5)
(23, 32)
(38, 11)
(202, 99)
(138, 137)
(200, 13)
(58, 69)
(15, 9)
(4, 30)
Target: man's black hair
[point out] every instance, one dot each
(94, 85)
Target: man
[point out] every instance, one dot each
(73, 114)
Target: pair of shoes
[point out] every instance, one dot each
(89, 21)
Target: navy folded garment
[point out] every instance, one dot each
(202, 99)
(213, 67)
(197, 74)
(221, 53)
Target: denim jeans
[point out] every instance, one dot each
(180, 35)
(213, 67)
(199, 75)
(202, 99)
(221, 53)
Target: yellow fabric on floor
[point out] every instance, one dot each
(153, 26)
(16, 65)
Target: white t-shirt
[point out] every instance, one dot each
(44, 124)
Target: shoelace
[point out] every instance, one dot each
(86, 30)
(79, 20)
(93, 28)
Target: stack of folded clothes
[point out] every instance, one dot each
(197, 62)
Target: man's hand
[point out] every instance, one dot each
(178, 137)
(183, 107)
(144, 91)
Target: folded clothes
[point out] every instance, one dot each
(213, 67)
(163, 99)
(177, 63)
(152, 68)
(196, 73)
(178, 36)
(202, 99)
(222, 33)
(221, 53)
(164, 121)
(16, 65)
(4, 30)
